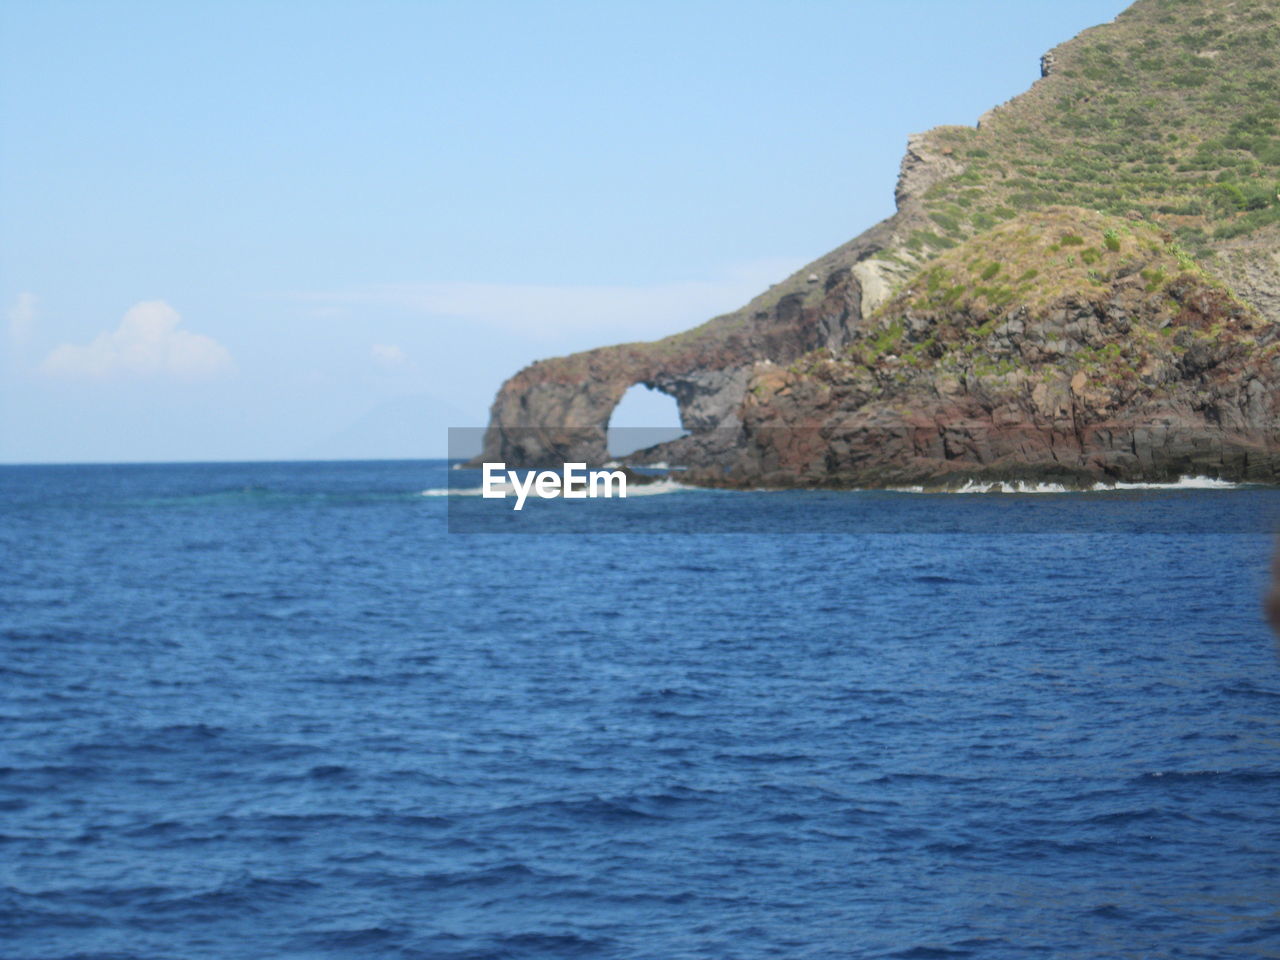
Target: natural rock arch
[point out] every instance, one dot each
(644, 417)
(557, 411)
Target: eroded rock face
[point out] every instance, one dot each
(924, 165)
(1134, 379)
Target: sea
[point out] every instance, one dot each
(322, 710)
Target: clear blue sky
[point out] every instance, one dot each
(277, 230)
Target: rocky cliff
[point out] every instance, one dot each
(1085, 285)
(1065, 346)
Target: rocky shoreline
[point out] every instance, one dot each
(1150, 370)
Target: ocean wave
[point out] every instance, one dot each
(1171, 777)
(348, 938)
(264, 498)
(624, 809)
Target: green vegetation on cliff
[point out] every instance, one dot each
(1063, 344)
(1145, 161)
(968, 312)
(1038, 257)
(1172, 111)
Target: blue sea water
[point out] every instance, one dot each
(279, 711)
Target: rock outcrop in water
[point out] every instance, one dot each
(1084, 286)
(558, 410)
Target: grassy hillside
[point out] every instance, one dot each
(1039, 265)
(1172, 111)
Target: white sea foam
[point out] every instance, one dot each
(665, 485)
(1018, 486)
(506, 488)
(1185, 483)
(986, 486)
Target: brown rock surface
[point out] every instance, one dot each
(1140, 367)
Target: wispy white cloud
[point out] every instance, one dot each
(545, 312)
(388, 355)
(22, 317)
(147, 344)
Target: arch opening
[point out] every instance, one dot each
(642, 418)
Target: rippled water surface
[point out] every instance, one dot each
(275, 710)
